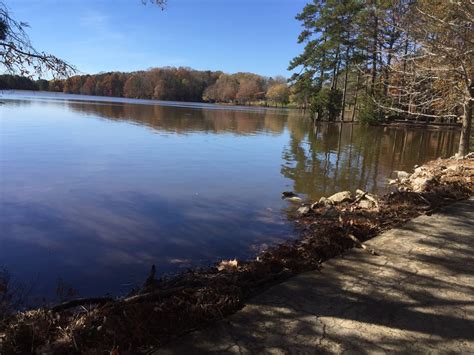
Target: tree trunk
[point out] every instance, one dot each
(374, 51)
(355, 98)
(344, 93)
(323, 65)
(335, 71)
(389, 63)
(466, 125)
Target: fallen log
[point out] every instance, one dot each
(81, 302)
(152, 296)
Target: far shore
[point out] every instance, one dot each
(18, 94)
(49, 95)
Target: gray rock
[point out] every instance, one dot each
(340, 197)
(303, 210)
(323, 202)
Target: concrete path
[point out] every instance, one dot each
(417, 296)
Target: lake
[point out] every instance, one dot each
(93, 191)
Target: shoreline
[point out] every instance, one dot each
(60, 96)
(53, 95)
(166, 308)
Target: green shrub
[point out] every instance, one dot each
(327, 104)
(369, 112)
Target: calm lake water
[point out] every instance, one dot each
(93, 192)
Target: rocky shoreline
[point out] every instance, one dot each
(165, 308)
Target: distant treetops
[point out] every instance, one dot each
(169, 83)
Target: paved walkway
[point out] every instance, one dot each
(417, 296)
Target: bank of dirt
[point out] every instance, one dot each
(165, 308)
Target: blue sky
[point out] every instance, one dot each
(229, 35)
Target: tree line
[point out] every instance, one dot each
(169, 83)
(370, 60)
(382, 59)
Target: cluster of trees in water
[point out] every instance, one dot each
(173, 84)
(385, 58)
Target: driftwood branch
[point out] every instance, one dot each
(358, 199)
(360, 244)
(152, 296)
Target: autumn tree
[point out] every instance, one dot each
(223, 90)
(88, 88)
(73, 84)
(56, 85)
(138, 86)
(278, 94)
(250, 89)
(227, 87)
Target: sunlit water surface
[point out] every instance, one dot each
(92, 192)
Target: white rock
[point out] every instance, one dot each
(401, 174)
(419, 184)
(294, 199)
(339, 197)
(323, 201)
(366, 204)
(392, 181)
(303, 210)
(372, 198)
(453, 167)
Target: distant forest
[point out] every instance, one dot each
(169, 83)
